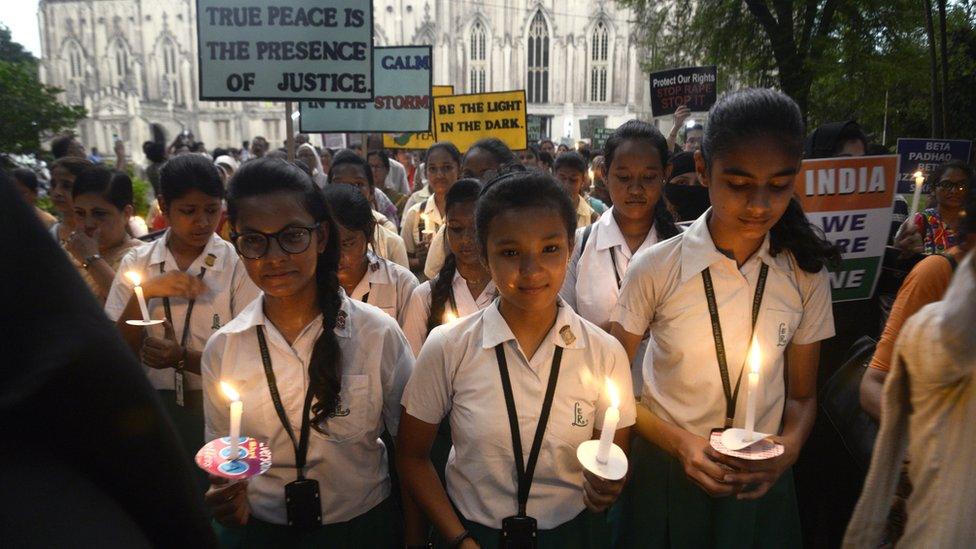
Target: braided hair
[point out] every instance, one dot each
(465, 191)
(265, 176)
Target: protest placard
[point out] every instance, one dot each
(285, 51)
(850, 199)
(694, 87)
(464, 119)
(600, 136)
(416, 140)
(402, 99)
(533, 123)
(927, 155)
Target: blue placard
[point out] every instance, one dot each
(927, 155)
(402, 103)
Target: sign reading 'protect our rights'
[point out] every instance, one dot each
(402, 101)
(278, 50)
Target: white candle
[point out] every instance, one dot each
(610, 420)
(755, 360)
(136, 281)
(428, 229)
(917, 197)
(236, 411)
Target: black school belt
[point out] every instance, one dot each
(731, 396)
(179, 377)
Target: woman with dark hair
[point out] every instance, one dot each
(64, 171)
(362, 274)
(529, 157)
(752, 255)
(422, 220)
(339, 367)
(463, 285)
(526, 348)
(937, 224)
(102, 201)
(192, 279)
(349, 168)
(636, 154)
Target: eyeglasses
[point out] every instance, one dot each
(291, 240)
(947, 185)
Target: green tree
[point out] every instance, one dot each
(31, 110)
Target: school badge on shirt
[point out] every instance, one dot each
(567, 334)
(209, 260)
(781, 342)
(216, 322)
(579, 420)
(341, 320)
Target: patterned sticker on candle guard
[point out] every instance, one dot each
(255, 458)
(764, 449)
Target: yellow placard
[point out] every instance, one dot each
(416, 140)
(464, 119)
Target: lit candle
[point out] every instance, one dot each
(449, 317)
(590, 173)
(136, 281)
(236, 411)
(610, 420)
(428, 229)
(917, 197)
(755, 359)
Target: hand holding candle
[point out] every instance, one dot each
(136, 280)
(754, 361)
(603, 458)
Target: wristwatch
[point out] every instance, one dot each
(90, 260)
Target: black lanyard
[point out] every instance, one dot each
(189, 308)
(723, 366)
(613, 259)
(301, 444)
(526, 472)
(450, 296)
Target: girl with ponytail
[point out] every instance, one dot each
(308, 333)
(750, 269)
(463, 284)
(635, 155)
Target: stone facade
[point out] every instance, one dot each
(132, 64)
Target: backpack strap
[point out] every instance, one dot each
(586, 237)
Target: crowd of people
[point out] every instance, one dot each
(424, 338)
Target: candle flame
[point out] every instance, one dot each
(919, 175)
(449, 317)
(134, 277)
(755, 356)
(229, 390)
(591, 174)
(614, 395)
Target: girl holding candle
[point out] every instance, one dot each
(463, 285)
(442, 168)
(191, 278)
(337, 366)
(525, 225)
(938, 224)
(363, 275)
(635, 156)
(752, 256)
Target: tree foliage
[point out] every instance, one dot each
(837, 59)
(31, 110)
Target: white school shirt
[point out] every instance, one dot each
(410, 230)
(418, 310)
(664, 291)
(385, 285)
(349, 462)
(590, 286)
(457, 374)
(584, 213)
(396, 178)
(229, 290)
(436, 252)
(388, 245)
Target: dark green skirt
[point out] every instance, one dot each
(586, 531)
(188, 420)
(379, 527)
(662, 507)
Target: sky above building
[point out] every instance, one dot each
(20, 16)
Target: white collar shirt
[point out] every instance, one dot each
(388, 245)
(347, 457)
(396, 178)
(591, 285)
(663, 291)
(457, 375)
(418, 310)
(410, 229)
(229, 290)
(385, 285)
(584, 213)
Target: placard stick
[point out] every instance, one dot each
(290, 131)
